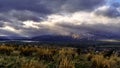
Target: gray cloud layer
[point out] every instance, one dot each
(72, 6)
(112, 11)
(64, 17)
(46, 6)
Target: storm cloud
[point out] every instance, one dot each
(72, 6)
(112, 11)
(58, 17)
(46, 6)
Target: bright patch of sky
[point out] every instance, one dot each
(109, 2)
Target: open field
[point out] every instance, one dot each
(34, 56)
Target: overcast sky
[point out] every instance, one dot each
(59, 17)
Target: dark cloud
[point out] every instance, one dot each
(26, 15)
(73, 6)
(36, 10)
(36, 32)
(111, 11)
(15, 16)
(8, 33)
(116, 4)
(77, 5)
(4, 18)
(1, 24)
(48, 6)
(30, 5)
(96, 30)
(14, 13)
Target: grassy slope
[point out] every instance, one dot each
(54, 57)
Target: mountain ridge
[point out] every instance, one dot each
(61, 38)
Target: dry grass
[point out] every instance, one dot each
(48, 57)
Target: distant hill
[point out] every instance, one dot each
(55, 38)
(4, 38)
(60, 38)
(12, 38)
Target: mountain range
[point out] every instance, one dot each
(61, 38)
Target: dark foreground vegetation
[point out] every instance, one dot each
(32, 56)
